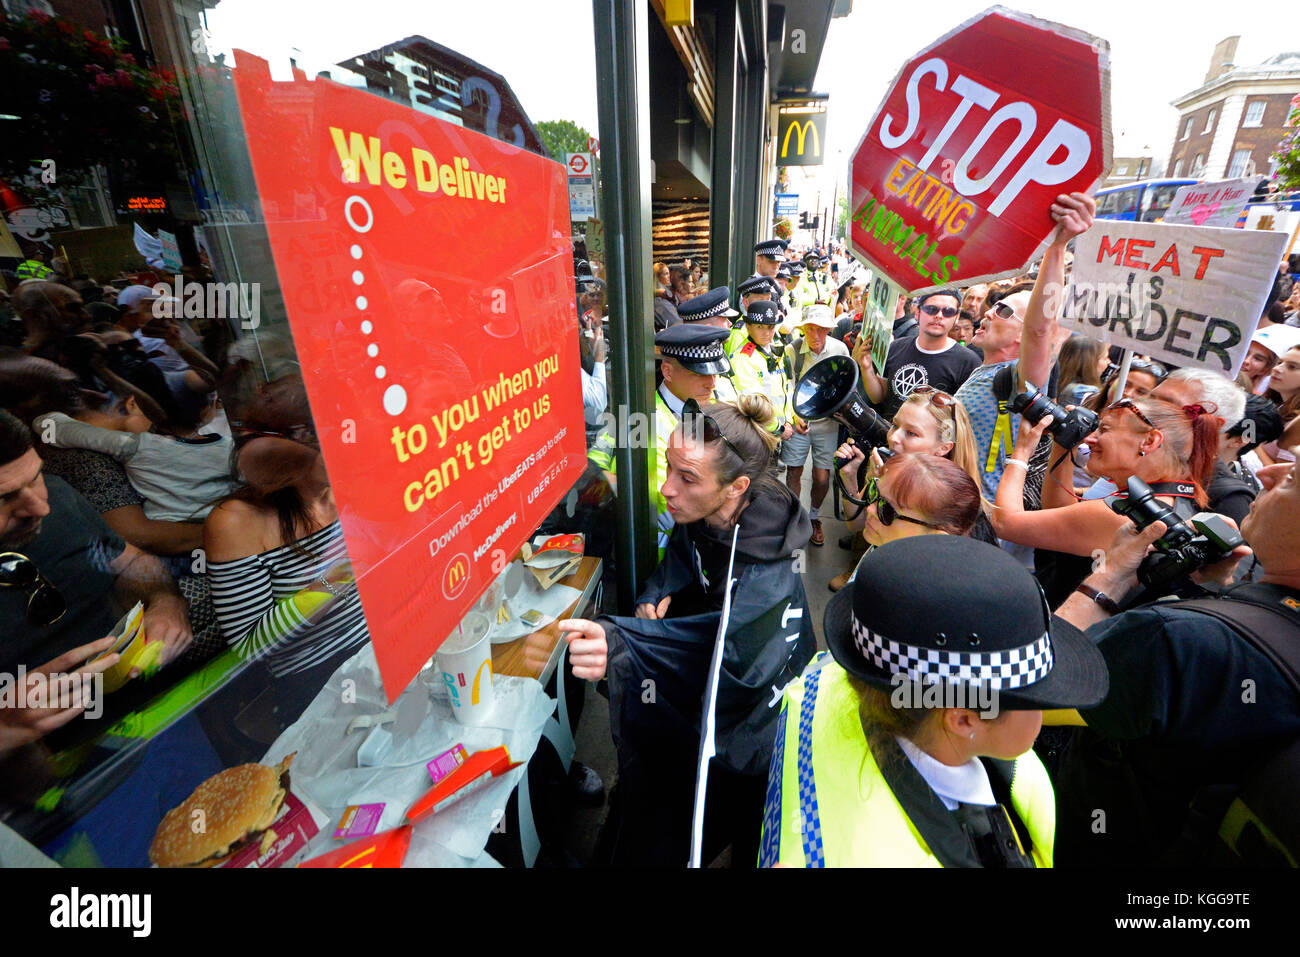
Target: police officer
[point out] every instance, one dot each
(815, 286)
(713, 309)
(913, 747)
(781, 290)
(757, 368)
(768, 256)
(753, 289)
(691, 360)
(792, 285)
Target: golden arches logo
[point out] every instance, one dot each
(804, 128)
(478, 675)
(455, 577)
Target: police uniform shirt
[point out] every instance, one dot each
(982, 832)
(1191, 704)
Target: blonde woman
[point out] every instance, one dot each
(928, 422)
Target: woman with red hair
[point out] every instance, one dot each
(1170, 447)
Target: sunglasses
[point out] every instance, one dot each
(887, 512)
(703, 425)
(1003, 310)
(948, 311)
(938, 398)
(45, 604)
(1132, 407)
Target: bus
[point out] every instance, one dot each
(1146, 201)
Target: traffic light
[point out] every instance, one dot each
(803, 221)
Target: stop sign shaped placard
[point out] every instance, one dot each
(952, 181)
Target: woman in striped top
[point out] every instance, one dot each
(281, 583)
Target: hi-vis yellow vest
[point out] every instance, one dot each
(828, 804)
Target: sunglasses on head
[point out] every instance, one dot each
(45, 604)
(702, 425)
(887, 512)
(1132, 407)
(938, 398)
(932, 310)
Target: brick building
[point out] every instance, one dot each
(1231, 123)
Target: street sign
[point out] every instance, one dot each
(953, 178)
(582, 186)
(787, 204)
(800, 138)
(593, 145)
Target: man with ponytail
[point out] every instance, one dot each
(719, 487)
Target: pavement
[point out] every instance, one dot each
(595, 748)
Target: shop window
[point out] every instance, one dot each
(343, 277)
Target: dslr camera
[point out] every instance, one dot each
(1202, 540)
(1067, 428)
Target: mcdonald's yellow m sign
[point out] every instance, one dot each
(456, 576)
(808, 131)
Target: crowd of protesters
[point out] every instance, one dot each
(986, 557)
(1062, 661)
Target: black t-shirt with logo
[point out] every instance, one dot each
(907, 367)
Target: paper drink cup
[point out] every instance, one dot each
(465, 662)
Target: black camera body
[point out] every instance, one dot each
(1067, 428)
(1202, 540)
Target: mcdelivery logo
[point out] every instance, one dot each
(455, 577)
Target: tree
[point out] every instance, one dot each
(1288, 151)
(842, 218)
(562, 136)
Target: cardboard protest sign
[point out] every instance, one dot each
(1219, 203)
(428, 278)
(952, 181)
(1187, 295)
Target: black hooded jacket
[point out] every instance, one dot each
(769, 638)
(658, 670)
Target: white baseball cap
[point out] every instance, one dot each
(1277, 339)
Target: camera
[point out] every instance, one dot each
(1067, 428)
(1202, 540)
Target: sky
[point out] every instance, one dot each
(544, 49)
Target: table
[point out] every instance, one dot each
(536, 655)
(539, 656)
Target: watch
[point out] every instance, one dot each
(1101, 598)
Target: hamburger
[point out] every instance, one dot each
(226, 813)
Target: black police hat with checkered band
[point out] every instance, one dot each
(698, 348)
(707, 305)
(763, 312)
(771, 248)
(754, 283)
(990, 626)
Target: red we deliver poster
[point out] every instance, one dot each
(428, 278)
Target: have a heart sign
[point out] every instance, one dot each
(1218, 203)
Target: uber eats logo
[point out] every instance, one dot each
(800, 138)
